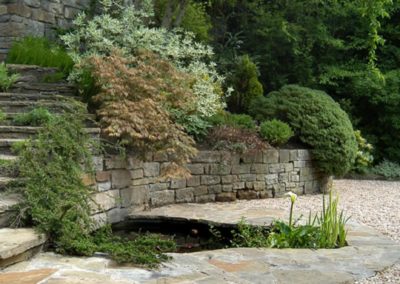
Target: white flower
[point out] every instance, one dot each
(293, 196)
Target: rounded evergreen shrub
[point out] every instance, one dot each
(276, 132)
(317, 120)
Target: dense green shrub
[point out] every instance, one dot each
(35, 117)
(276, 132)
(387, 169)
(40, 51)
(6, 80)
(317, 120)
(244, 80)
(234, 120)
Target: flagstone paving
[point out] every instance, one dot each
(367, 253)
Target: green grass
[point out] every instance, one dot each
(40, 51)
(35, 117)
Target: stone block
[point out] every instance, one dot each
(252, 157)
(205, 198)
(299, 164)
(115, 162)
(227, 187)
(195, 169)
(259, 169)
(259, 185)
(264, 194)
(43, 16)
(116, 215)
(135, 163)
(229, 158)
(185, 195)
(276, 168)
(219, 169)
(247, 177)
(151, 169)
(54, 8)
(158, 186)
(135, 196)
(241, 169)
(217, 188)
(200, 190)
(238, 185)
(177, 183)
(98, 163)
(32, 3)
(3, 9)
(304, 155)
(284, 156)
(88, 179)
(288, 167)
(120, 178)
(225, 197)
(103, 186)
(271, 156)
(103, 176)
(99, 220)
(208, 180)
(271, 178)
(104, 201)
(159, 198)
(247, 194)
(136, 174)
(293, 155)
(70, 12)
(20, 10)
(193, 181)
(144, 181)
(229, 179)
(249, 185)
(207, 157)
(294, 177)
(283, 177)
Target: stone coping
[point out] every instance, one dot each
(367, 253)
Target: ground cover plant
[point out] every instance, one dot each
(40, 51)
(57, 203)
(6, 79)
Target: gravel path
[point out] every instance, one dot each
(374, 203)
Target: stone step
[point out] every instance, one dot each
(23, 132)
(32, 73)
(90, 119)
(18, 245)
(7, 165)
(43, 88)
(26, 106)
(6, 145)
(6, 182)
(7, 201)
(36, 97)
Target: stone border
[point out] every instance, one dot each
(131, 183)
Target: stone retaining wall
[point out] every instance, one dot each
(20, 18)
(126, 184)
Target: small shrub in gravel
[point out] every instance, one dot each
(387, 169)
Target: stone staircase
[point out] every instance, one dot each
(28, 93)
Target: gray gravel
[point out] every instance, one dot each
(374, 203)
